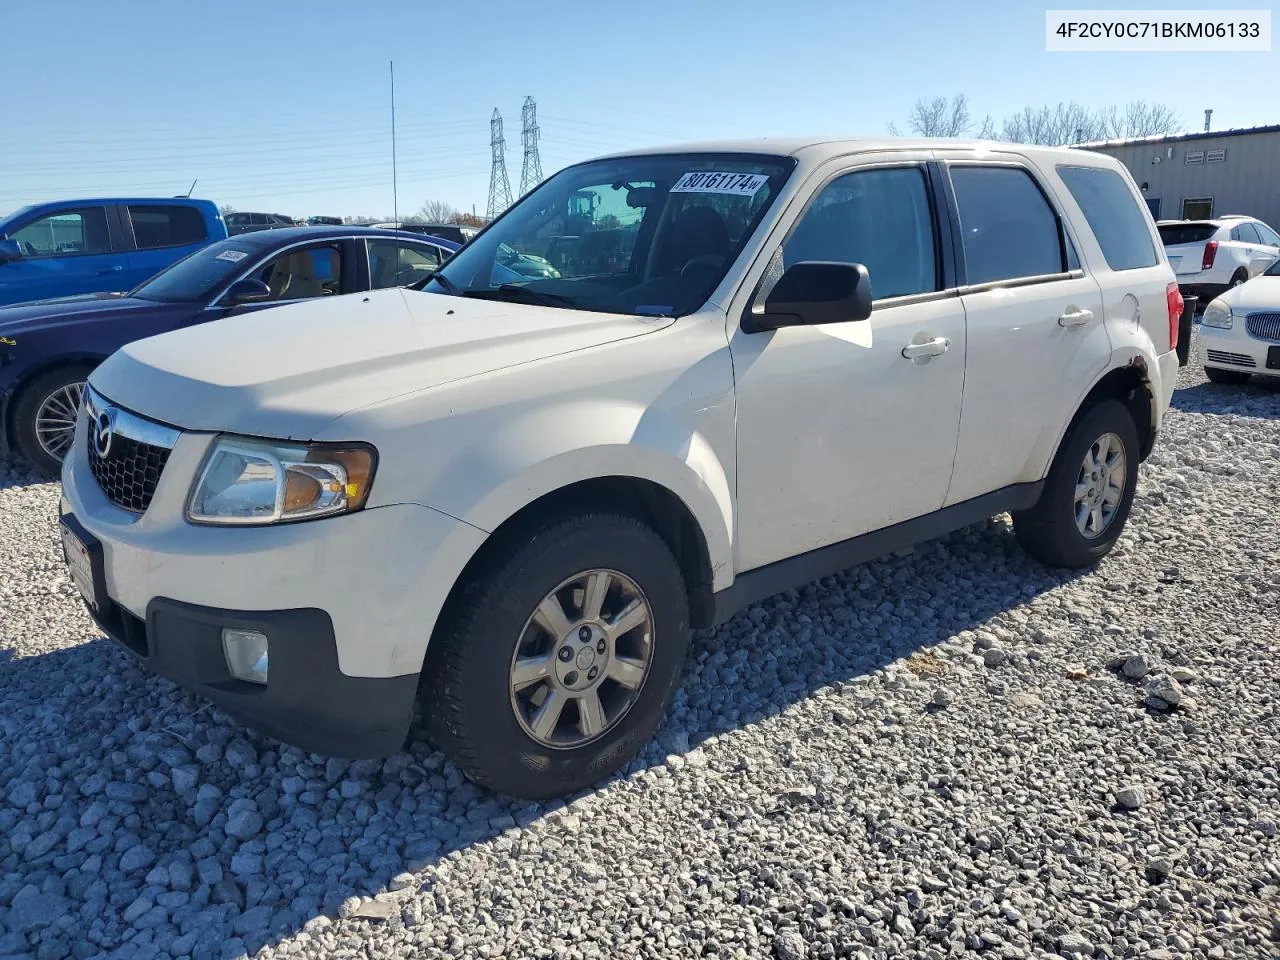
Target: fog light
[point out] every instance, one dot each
(246, 653)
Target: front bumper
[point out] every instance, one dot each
(307, 702)
(1235, 350)
(348, 603)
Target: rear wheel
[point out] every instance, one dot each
(1239, 277)
(1228, 377)
(45, 416)
(558, 659)
(1088, 493)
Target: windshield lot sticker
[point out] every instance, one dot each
(235, 256)
(734, 184)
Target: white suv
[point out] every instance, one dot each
(1211, 256)
(511, 501)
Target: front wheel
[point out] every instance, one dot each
(45, 416)
(1088, 493)
(1229, 377)
(558, 659)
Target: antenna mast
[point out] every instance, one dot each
(395, 194)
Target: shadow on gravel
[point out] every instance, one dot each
(15, 472)
(138, 821)
(1260, 397)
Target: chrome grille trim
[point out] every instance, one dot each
(1263, 326)
(127, 453)
(128, 424)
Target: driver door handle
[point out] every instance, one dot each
(1074, 318)
(930, 348)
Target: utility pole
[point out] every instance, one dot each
(531, 169)
(499, 185)
(395, 192)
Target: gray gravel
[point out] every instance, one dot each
(949, 751)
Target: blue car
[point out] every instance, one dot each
(48, 348)
(90, 246)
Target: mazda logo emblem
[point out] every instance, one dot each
(104, 431)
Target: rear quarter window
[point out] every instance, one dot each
(1114, 215)
(167, 225)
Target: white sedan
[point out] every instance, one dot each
(1240, 331)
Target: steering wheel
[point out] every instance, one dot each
(707, 261)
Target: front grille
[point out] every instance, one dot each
(1239, 359)
(1263, 326)
(127, 453)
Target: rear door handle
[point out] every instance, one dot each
(930, 348)
(1074, 318)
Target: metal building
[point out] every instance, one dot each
(1195, 176)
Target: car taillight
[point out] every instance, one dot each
(1210, 251)
(1176, 303)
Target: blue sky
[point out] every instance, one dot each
(284, 105)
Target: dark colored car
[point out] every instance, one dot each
(48, 348)
(238, 223)
(324, 221)
(445, 231)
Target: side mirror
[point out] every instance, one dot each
(246, 291)
(10, 251)
(814, 292)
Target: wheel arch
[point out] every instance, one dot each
(1131, 385)
(9, 408)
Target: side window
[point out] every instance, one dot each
(1113, 214)
(393, 264)
(67, 233)
(1247, 233)
(879, 218)
(1267, 235)
(1008, 227)
(166, 226)
(257, 219)
(303, 273)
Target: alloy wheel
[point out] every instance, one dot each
(1100, 486)
(56, 420)
(582, 659)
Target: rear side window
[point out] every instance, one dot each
(166, 226)
(1172, 234)
(1009, 229)
(1113, 214)
(1245, 232)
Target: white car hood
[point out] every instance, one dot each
(287, 371)
(1260, 293)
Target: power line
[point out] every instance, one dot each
(499, 185)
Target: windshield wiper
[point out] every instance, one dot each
(513, 290)
(450, 287)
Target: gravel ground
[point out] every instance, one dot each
(950, 751)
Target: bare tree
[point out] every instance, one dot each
(938, 117)
(226, 208)
(1057, 125)
(436, 211)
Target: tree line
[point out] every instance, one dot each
(1052, 126)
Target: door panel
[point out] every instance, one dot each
(839, 433)
(1025, 369)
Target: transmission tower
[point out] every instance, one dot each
(499, 185)
(531, 170)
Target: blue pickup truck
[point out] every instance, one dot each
(75, 247)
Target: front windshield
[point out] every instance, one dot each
(650, 235)
(195, 277)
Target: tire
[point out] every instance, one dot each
(57, 387)
(469, 705)
(1226, 377)
(1049, 531)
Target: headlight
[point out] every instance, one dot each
(1217, 314)
(246, 481)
